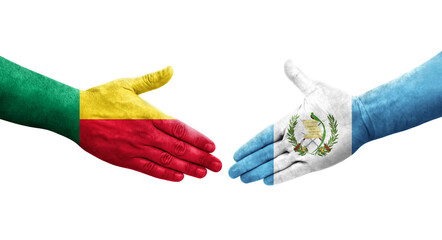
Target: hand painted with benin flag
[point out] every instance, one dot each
(331, 125)
(109, 121)
(119, 127)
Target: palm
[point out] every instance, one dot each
(298, 147)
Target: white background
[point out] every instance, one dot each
(229, 83)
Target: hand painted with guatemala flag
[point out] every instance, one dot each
(109, 121)
(297, 144)
(330, 125)
(119, 127)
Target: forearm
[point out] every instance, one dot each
(406, 102)
(31, 99)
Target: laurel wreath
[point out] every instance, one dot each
(291, 136)
(323, 150)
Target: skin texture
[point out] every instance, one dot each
(271, 157)
(119, 127)
(406, 102)
(109, 121)
(145, 146)
(33, 100)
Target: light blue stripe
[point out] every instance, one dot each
(360, 133)
(255, 158)
(259, 173)
(406, 102)
(269, 180)
(264, 138)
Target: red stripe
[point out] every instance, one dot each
(125, 142)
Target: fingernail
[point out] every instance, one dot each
(209, 147)
(201, 172)
(216, 166)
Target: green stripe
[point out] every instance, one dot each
(31, 99)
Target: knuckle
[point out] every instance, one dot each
(203, 159)
(180, 148)
(148, 79)
(159, 124)
(187, 167)
(147, 167)
(179, 130)
(165, 159)
(287, 146)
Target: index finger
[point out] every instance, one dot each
(182, 131)
(262, 139)
(252, 161)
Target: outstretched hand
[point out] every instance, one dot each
(119, 127)
(314, 136)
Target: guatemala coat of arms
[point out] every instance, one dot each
(314, 136)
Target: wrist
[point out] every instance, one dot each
(362, 127)
(64, 113)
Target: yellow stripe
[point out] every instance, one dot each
(116, 100)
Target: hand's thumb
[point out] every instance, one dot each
(304, 84)
(151, 81)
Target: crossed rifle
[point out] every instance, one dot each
(312, 140)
